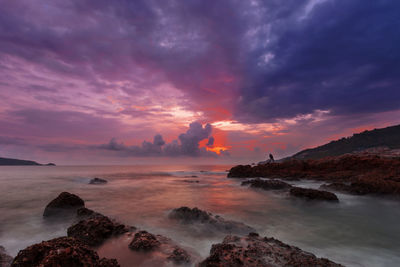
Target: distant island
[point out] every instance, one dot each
(20, 162)
(378, 141)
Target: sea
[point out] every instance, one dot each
(357, 231)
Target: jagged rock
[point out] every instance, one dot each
(95, 229)
(144, 241)
(189, 216)
(85, 212)
(267, 184)
(5, 259)
(65, 203)
(313, 194)
(62, 251)
(179, 256)
(255, 251)
(98, 181)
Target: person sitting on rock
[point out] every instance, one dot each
(271, 158)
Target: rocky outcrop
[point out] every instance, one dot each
(212, 222)
(313, 194)
(271, 184)
(5, 259)
(62, 251)
(256, 251)
(365, 174)
(98, 181)
(96, 228)
(65, 204)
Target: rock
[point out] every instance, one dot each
(65, 203)
(163, 247)
(253, 250)
(191, 181)
(365, 174)
(313, 194)
(62, 251)
(144, 241)
(96, 229)
(179, 256)
(5, 259)
(241, 171)
(98, 181)
(211, 222)
(272, 184)
(355, 188)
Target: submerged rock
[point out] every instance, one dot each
(98, 181)
(163, 247)
(255, 251)
(179, 256)
(267, 184)
(313, 194)
(96, 229)
(212, 222)
(191, 181)
(62, 251)
(144, 241)
(65, 203)
(355, 188)
(5, 259)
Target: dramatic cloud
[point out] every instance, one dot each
(188, 144)
(74, 73)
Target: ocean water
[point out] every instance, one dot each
(359, 231)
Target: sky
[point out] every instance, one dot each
(194, 81)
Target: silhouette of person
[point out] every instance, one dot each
(271, 158)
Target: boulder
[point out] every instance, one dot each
(144, 241)
(253, 250)
(179, 256)
(65, 203)
(98, 181)
(272, 184)
(313, 194)
(187, 215)
(5, 259)
(161, 247)
(96, 228)
(62, 251)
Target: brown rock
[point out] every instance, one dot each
(5, 259)
(144, 241)
(272, 184)
(179, 256)
(62, 251)
(65, 203)
(313, 194)
(365, 174)
(97, 228)
(255, 251)
(211, 222)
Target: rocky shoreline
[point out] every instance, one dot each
(91, 229)
(352, 173)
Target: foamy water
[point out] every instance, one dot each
(359, 231)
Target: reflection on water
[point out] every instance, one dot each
(359, 231)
